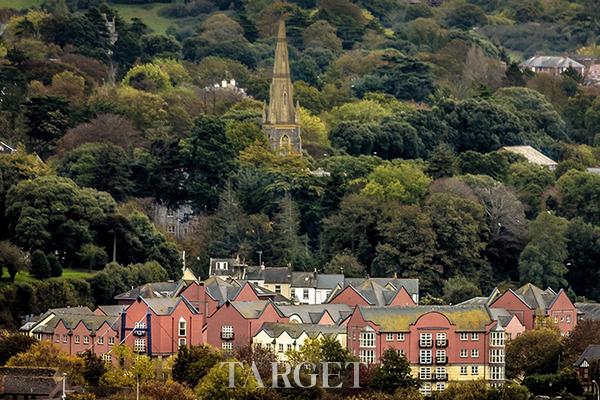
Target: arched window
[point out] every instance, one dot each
(285, 144)
(182, 327)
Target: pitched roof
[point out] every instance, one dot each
(304, 279)
(378, 291)
(551, 62)
(92, 322)
(152, 290)
(590, 354)
(276, 275)
(590, 311)
(532, 155)
(538, 299)
(275, 330)
(312, 313)
(251, 309)
(165, 306)
(329, 281)
(113, 310)
(399, 319)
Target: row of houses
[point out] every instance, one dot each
(367, 316)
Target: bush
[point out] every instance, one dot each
(40, 268)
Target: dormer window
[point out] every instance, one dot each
(221, 265)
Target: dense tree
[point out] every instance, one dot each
(47, 120)
(466, 16)
(93, 367)
(13, 344)
(393, 373)
(40, 268)
(215, 384)
(11, 258)
(583, 249)
(458, 289)
(288, 246)
(530, 182)
(345, 263)
(442, 162)
(192, 364)
(579, 192)
(403, 181)
(534, 352)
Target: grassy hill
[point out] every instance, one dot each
(23, 276)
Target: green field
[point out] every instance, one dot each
(148, 13)
(23, 276)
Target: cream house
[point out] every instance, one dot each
(281, 338)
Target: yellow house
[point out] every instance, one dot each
(281, 338)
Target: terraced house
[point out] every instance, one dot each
(441, 343)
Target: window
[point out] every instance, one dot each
(401, 352)
(86, 340)
(182, 327)
(107, 358)
(57, 338)
(171, 228)
(170, 213)
(440, 339)
(474, 353)
(440, 386)
(101, 340)
(401, 337)
(281, 347)
(139, 345)
(440, 373)
(140, 325)
(568, 319)
(111, 340)
(440, 356)
(227, 347)
(221, 265)
(305, 293)
(227, 332)
(277, 288)
(463, 370)
(556, 320)
(464, 336)
(425, 389)
(367, 339)
(464, 353)
(474, 370)
(497, 373)
(77, 339)
(367, 356)
(289, 347)
(425, 357)
(424, 373)
(64, 338)
(181, 341)
(497, 356)
(474, 336)
(497, 339)
(425, 340)
(389, 337)
(38, 336)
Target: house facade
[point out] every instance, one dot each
(553, 65)
(590, 356)
(441, 343)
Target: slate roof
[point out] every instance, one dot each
(551, 62)
(277, 275)
(312, 313)
(251, 309)
(113, 310)
(165, 306)
(378, 291)
(536, 298)
(590, 311)
(91, 321)
(590, 354)
(152, 290)
(31, 381)
(227, 290)
(275, 330)
(234, 267)
(329, 281)
(399, 319)
(411, 285)
(532, 155)
(304, 279)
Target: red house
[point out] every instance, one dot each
(158, 326)
(235, 323)
(441, 343)
(376, 292)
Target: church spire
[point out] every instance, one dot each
(281, 102)
(280, 121)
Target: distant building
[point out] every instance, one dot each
(177, 222)
(532, 155)
(31, 383)
(312, 287)
(376, 292)
(283, 337)
(6, 149)
(280, 119)
(553, 65)
(590, 355)
(592, 77)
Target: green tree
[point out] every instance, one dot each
(193, 363)
(542, 262)
(11, 258)
(147, 77)
(583, 251)
(345, 263)
(442, 162)
(215, 385)
(466, 16)
(579, 192)
(209, 159)
(288, 246)
(402, 181)
(533, 352)
(459, 288)
(92, 256)
(12, 344)
(101, 166)
(39, 265)
(530, 182)
(93, 367)
(47, 119)
(229, 226)
(393, 373)
(56, 268)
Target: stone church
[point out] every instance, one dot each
(280, 121)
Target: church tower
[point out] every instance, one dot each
(280, 121)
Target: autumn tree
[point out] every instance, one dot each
(534, 352)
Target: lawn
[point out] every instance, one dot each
(23, 276)
(148, 13)
(19, 4)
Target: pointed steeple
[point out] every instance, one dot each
(281, 103)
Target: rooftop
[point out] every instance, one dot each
(532, 155)
(551, 62)
(275, 330)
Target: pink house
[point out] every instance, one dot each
(235, 323)
(374, 293)
(158, 326)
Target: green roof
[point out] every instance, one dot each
(399, 319)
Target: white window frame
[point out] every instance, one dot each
(280, 348)
(425, 373)
(497, 356)
(111, 340)
(182, 327)
(366, 356)
(182, 341)
(139, 325)
(107, 358)
(227, 332)
(440, 386)
(441, 339)
(367, 339)
(77, 339)
(497, 338)
(425, 389)
(464, 353)
(475, 353)
(425, 356)
(139, 345)
(305, 293)
(100, 339)
(401, 337)
(86, 339)
(464, 370)
(464, 336)
(389, 337)
(440, 356)
(425, 340)
(474, 369)
(227, 347)
(64, 338)
(474, 336)
(440, 373)
(221, 265)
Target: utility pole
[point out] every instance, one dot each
(64, 387)
(259, 257)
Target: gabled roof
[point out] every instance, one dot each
(531, 154)
(590, 354)
(312, 313)
(152, 290)
(399, 319)
(538, 299)
(166, 306)
(551, 62)
(589, 311)
(222, 290)
(411, 285)
(275, 330)
(252, 309)
(277, 275)
(329, 281)
(92, 322)
(377, 291)
(112, 310)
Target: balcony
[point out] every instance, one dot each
(139, 332)
(425, 361)
(440, 377)
(441, 343)
(441, 360)
(227, 336)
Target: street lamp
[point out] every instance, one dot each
(597, 389)
(64, 387)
